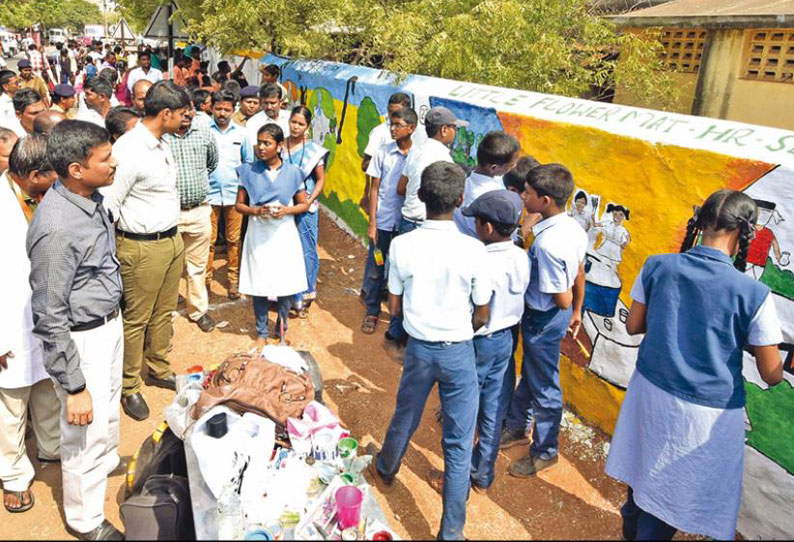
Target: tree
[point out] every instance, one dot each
(554, 46)
(72, 14)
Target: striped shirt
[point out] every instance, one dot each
(74, 275)
(196, 155)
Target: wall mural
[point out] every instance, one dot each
(638, 174)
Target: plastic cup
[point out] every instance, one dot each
(348, 506)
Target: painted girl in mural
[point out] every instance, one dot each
(765, 240)
(310, 158)
(615, 236)
(579, 211)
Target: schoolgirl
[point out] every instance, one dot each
(272, 263)
(310, 158)
(679, 441)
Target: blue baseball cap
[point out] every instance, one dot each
(65, 91)
(502, 206)
(251, 91)
(24, 63)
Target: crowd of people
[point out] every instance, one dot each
(107, 209)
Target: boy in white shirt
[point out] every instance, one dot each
(496, 215)
(497, 154)
(439, 281)
(556, 263)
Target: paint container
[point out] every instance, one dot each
(258, 533)
(378, 255)
(350, 533)
(276, 530)
(195, 369)
(347, 478)
(347, 448)
(382, 536)
(348, 506)
(216, 426)
(194, 377)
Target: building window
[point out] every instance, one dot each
(769, 55)
(683, 48)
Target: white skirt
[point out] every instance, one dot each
(272, 261)
(683, 460)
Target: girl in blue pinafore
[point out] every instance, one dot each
(679, 440)
(310, 158)
(271, 194)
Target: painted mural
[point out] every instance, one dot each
(638, 174)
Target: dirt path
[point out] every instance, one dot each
(572, 501)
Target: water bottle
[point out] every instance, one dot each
(230, 513)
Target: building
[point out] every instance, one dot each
(732, 60)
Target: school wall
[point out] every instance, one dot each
(658, 165)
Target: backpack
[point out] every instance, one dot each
(161, 453)
(161, 511)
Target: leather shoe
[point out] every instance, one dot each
(105, 531)
(135, 407)
(168, 382)
(206, 323)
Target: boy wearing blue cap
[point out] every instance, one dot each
(496, 215)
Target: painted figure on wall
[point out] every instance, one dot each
(765, 240)
(579, 211)
(614, 236)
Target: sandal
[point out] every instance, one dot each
(369, 324)
(20, 497)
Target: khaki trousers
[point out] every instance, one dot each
(234, 222)
(89, 453)
(195, 226)
(16, 471)
(150, 272)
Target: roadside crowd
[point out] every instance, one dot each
(108, 211)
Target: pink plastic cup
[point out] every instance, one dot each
(348, 506)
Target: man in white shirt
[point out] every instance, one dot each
(9, 83)
(270, 101)
(497, 154)
(144, 201)
(441, 126)
(25, 385)
(98, 92)
(439, 281)
(144, 71)
(27, 105)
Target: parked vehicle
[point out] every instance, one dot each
(56, 35)
(10, 45)
(93, 32)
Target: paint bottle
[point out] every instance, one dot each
(378, 256)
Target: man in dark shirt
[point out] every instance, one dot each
(76, 288)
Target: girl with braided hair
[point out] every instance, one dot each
(679, 440)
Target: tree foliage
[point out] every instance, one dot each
(71, 14)
(554, 46)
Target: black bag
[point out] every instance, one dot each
(161, 511)
(161, 453)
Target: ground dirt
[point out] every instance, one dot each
(573, 500)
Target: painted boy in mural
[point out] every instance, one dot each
(615, 237)
(765, 240)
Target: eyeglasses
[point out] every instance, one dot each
(395, 126)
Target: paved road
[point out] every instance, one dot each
(12, 62)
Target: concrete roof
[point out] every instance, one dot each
(713, 13)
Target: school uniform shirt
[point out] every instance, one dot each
(476, 185)
(441, 275)
(680, 456)
(509, 268)
(74, 275)
(6, 107)
(143, 197)
(554, 258)
(154, 75)
(91, 115)
(264, 185)
(16, 317)
(12, 123)
(233, 150)
(419, 158)
(381, 135)
(260, 119)
(387, 164)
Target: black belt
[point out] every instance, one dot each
(148, 236)
(93, 324)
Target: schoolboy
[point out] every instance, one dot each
(76, 287)
(497, 154)
(439, 281)
(385, 169)
(496, 215)
(555, 260)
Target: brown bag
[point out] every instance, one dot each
(249, 383)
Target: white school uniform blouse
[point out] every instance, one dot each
(418, 159)
(685, 461)
(509, 268)
(476, 185)
(559, 248)
(441, 274)
(16, 318)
